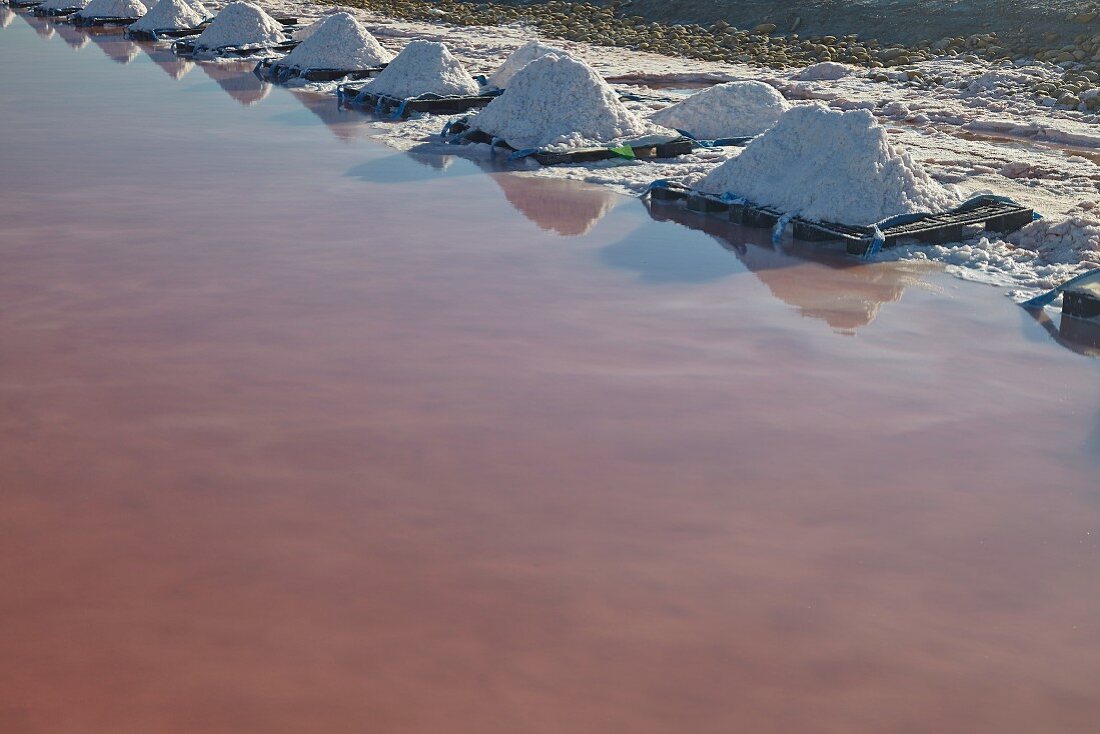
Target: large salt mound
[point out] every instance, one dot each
(557, 101)
(339, 43)
(113, 9)
(241, 24)
(518, 59)
(832, 166)
(170, 15)
(732, 110)
(423, 67)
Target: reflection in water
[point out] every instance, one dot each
(72, 35)
(6, 16)
(118, 48)
(1077, 335)
(41, 26)
(843, 293)
(345, 123)
(238, 81)
(565, 207)
(433, 160)
(167, 60)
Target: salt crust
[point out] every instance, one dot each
(340, 42)
(113, 9)
(241, 24)
(832, 166)
(559, 102)
(423, 67)
(518, 59)
(170, 15)
(731, 110)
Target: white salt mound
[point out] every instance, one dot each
(824, 71)
(170, 15)
(241, 24)
(829, 165)
(558, 101)
(423, 67)
(339, 43)
(731, 110)
(113, 9)
(518, 59)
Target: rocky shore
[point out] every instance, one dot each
(768, 45)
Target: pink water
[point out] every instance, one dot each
(301, 434)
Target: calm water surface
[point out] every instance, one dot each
(301, 434)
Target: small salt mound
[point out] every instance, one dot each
(520, 58)
(732, 110)
(558, 101)
(1072, 239)
(824, 71)
(832, 166)
(303, 33)
(340, 43)
(241, 24)
(113, 9)
(423, 67)
(170, 15)
(63, 4)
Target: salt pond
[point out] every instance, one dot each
(300, 433)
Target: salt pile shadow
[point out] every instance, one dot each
(826, 286)
(238, 81)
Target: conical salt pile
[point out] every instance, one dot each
(731, 110)
(241, 24)
(518, 59)
(340, 42)
(830, 166)
(170, 15)
(423, 67)
(112, 9)
(558, 101)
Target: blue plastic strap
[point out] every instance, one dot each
(878, 239)
(400, 110)
(526, 152)
(781, 227)
(446, 129)
(1049, 297)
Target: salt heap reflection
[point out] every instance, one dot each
(568, 208)
(343, 122)
(118, 48)
(70, 34)
(844, 293)
(6, 16)
(238, 81)
(166, 60)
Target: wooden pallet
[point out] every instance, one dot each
(163, 34)
(990, 214)
(187, 48)
(41, 12)
(1081, 303)
(97, 22)
(670, 149)
(425, 104)
(272, 70)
